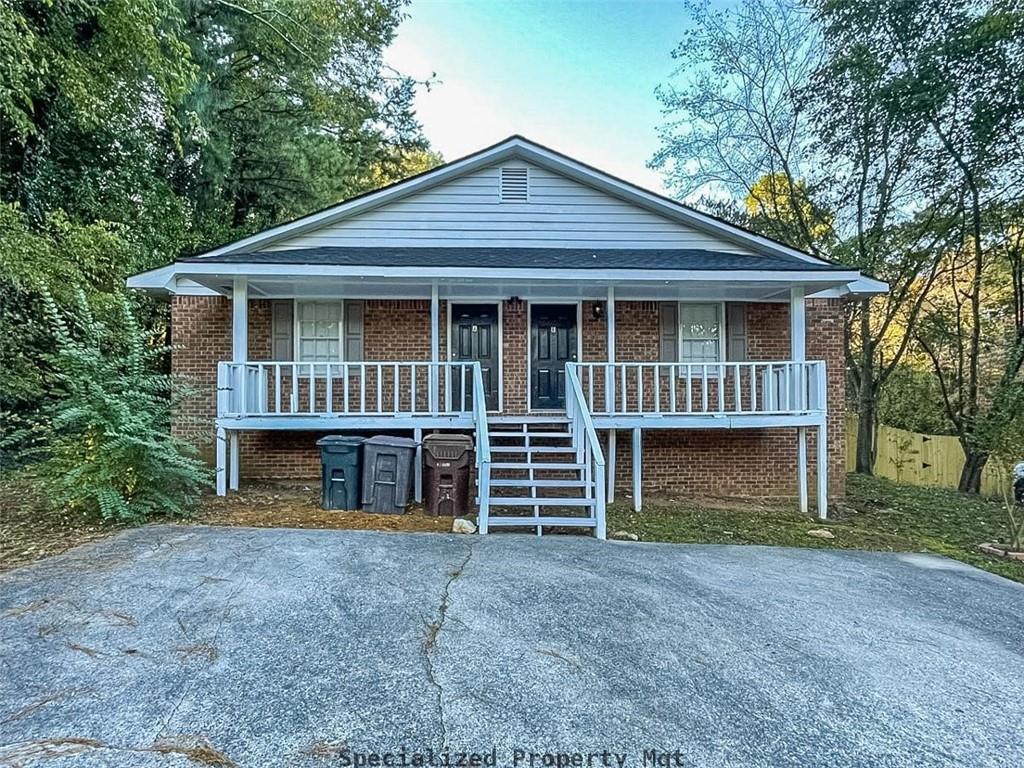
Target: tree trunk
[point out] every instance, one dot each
(866, 434)
(866, 400)
(970, 477)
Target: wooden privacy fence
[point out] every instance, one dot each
(917, 459)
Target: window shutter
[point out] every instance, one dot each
(353, 331)
(736, 330)
(281, 330)
(668, 348)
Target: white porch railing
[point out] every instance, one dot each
(588, 449)
(731, 389)
(272, 389)
(483, 448)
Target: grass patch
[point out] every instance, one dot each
(876, 515)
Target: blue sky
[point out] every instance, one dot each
(577, 75)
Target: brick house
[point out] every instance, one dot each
(594, 337)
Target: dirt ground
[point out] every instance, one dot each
(266, 505)
(29, 530)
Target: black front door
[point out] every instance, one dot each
(475, 337)
(552, 345)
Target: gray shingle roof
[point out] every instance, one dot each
(526, 258)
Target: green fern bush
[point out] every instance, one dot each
(110, 450)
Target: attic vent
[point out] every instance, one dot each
(515, 185)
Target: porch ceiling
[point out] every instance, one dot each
(470, 289)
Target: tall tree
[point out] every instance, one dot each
(806, 128)
(957, 71)
(293, 108)
(132, 131)
(735, 125)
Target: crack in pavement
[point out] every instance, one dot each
(433, 630)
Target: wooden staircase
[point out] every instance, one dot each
(539, 478)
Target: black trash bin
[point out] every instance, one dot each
(387, 473)
(340, 471)
(446, 459)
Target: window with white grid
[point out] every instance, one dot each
(700, 333)
(319, 331)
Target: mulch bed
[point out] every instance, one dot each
(29, 530)
(266, 505)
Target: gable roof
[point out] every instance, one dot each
(520, 148)
(660, 259)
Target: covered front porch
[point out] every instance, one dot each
(584, 350)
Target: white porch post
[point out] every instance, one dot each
(418, 468)
(239, 354)
(801, 467)
(222, 468)
(611, 466)
(637, 472)
(240, 320)
(609, 378)
(798, 354)
(797, 324)
(609, 390)
(233, 456)
(435, 347)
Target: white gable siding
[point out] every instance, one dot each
(466, 211)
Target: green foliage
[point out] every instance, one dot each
(109, 449)
(883, 134)
(134, 130)
(293, 108)
(59, 260)
(911, 400)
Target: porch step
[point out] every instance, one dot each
(532, 449)
(514, 445)
(528, 420)
(539, 501)
(521, 482)
(535, 520)
(535, 465)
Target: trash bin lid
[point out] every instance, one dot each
(462, 441)
(341, 440)
(394, 442)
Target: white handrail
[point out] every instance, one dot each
(766, 387)
(278, 388)
(588, 448)
(483, 447)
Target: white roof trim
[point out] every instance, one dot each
(523, 149)
(862, 286)
(165, 278)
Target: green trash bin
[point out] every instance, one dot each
(341, 459)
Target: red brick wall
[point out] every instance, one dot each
(704, 461)
(201, 336)
(397, 329)
(742, 462)
(513, 356)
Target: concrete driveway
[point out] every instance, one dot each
(190, 646)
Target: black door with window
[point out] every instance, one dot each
(552, 345)
(475, 337)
